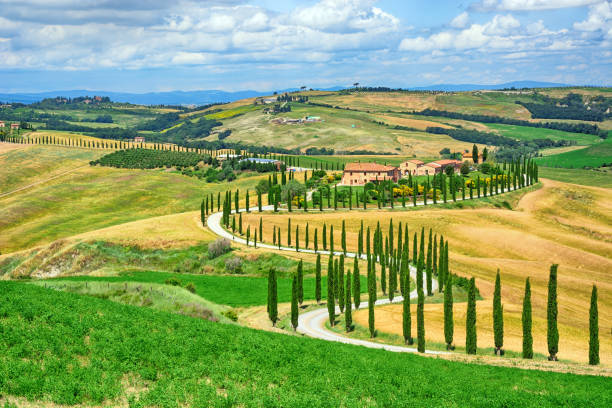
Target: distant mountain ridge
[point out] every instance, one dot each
(204, 97)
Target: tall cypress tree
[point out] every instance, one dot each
(289, 232)
(593, 329)
(498, 317)
(420, 320)
(348, 313)
(294, 302)
(341, 300)
(272, 297)
(316, 240)
(553, 331)
(331, 306)
(441, 277)
(407, 319)
(356, 284)
(318, 279)
(202, 214)
(343, 239)
(449, 325)
(428, 269)
(324, 237)
(300, 282)
(371, 300)
(526, 319)
(470, 322)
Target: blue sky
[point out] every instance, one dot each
(157, 45)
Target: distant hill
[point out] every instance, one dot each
(204, 97)
(475, 87)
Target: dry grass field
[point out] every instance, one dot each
(560, 223)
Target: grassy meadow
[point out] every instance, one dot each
(592, 156)
(82, 350)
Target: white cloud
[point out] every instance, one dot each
(561, 45)
(600, 18)
(523, 5)
(460, 21)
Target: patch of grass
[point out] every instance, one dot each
(593, 156)
(601, 177)
(70, 349)
(167, 298)
(531, 133)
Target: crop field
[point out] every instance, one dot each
(559, 223)
(91, 198)
(339, 131)
(592, 156)
(107, 353)
(596, 178)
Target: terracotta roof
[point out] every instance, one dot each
(415, 161)
(367, 167)
(446, 162)
(433, 164)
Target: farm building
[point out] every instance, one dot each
(419, 168)
(1, 124)
(139, 139)
(14, 126)
(467, 157)
(358, 174)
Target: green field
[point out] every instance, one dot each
(530, 133)
(236, 291)
(594, 178)
(592, 156)
(69, 349)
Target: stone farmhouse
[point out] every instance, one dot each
(358, 174)
(419, 168)
(467, 157)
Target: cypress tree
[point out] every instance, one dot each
(449, 325)
(553, 331)
(278, 237)
(300, 281)
(348, 313)
(202, 214)
(428, 269)
(246, 203)
(331, 239)
(297, 238)
(316, 240)
(289, 232)
(260, 229)
(341, 300)
(272, 297)
(371, 300)
(420, 321)
(259, 201)
(331, 306)
(526, 318)
(498, 317)
(356, 284)
(593, 329)
(307, 244)
(470, 322)
(324, 237)
(318, 279)
(294, 302)
(343, 239)
(441, 277)
(248, 235)
(415, 243)
(406, 318)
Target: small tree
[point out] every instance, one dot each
(553, 331)
(526, 319)
(294, 302)
(593, 329)
(470, 322)
(331, 306)
(356, 284)
(498, 317)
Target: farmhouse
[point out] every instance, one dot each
(358, 174)
(14, 126)
(1, 124)
(139, 139)
(418, 168)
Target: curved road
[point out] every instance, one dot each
(312, 323)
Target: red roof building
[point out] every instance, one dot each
(358, 174)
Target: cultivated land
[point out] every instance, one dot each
(119, 303)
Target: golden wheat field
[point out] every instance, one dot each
(559, 223)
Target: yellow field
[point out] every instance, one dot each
(559, 223)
